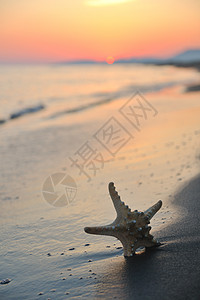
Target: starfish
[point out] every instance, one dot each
(130, 227)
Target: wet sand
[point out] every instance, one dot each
(170, 272)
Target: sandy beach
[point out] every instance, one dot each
(44, 250)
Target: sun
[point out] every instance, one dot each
(110, 60)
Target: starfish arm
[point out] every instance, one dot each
(149, 213)
(120, 207)
(100, 230)
(127, 245)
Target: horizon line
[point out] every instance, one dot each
(94, 61)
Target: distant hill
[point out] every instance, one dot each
(189, 56)
(143, 60)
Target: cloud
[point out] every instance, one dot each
(105, 2)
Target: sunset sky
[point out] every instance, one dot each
(57, 30)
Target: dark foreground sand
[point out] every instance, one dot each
(173, 270)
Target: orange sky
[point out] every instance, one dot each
(54, 30)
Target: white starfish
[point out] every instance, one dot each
(130, 227)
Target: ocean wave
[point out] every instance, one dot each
(22, 112)
(80, 108)
(25, 111)
(2, 121)
(106, 97)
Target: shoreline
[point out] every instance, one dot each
(195, 64)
